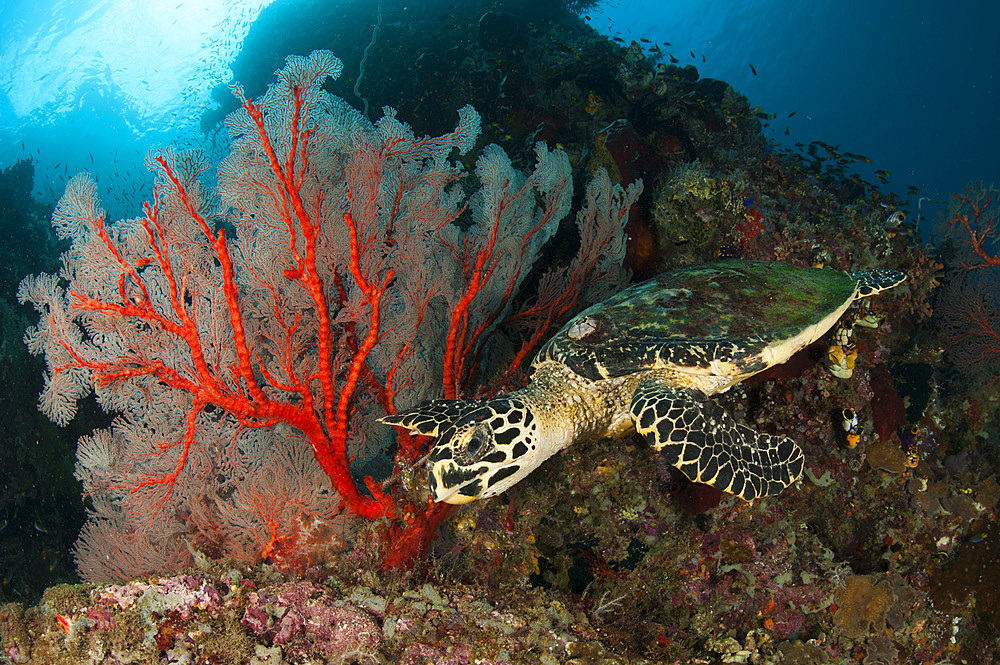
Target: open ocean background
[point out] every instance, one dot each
(913, 86)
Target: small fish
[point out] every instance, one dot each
(673, 60)
(858, 158)
(644, 40)
(692, 53)
(792, 114)
(753, 69)
(883, 176)
(703, 57)
(894, 220)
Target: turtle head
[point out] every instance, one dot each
(483, 448)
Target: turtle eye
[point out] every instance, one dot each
(474, 446)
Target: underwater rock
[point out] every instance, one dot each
(927, 502)
(686, 73)
(620, 149)
(801, 653)
(914, 381)
(962, 506)
(500, 32)
(697, 498)
(880, 652)
(974, 564)
(987, 492)
(303, 618)
(711, 90)
(734, 551)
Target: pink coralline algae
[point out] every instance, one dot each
(182, 594)
(303, 618)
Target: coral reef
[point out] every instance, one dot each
(241, 616)
(605, 554)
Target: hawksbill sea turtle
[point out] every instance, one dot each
(647, 359)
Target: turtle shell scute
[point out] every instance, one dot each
(696, 317)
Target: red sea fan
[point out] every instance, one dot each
(249, 337)
(968, 316)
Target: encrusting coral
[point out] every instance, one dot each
(862, 605)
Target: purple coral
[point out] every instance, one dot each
(181, 594)
(303, 618)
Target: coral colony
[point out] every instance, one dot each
(336, 286)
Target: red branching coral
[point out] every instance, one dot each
(973, 217)
(251, 337)
(968, 307)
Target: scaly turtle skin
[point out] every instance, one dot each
(647, 359)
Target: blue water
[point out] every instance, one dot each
(94, 85)
(911, 85)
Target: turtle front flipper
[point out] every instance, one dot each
(428, 418)
(700, 438)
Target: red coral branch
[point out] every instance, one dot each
(979, 220)
(373, 294)
(456, 344)
(328, 438)
(312, 318)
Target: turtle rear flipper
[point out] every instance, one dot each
(698, 437)
(874, 281)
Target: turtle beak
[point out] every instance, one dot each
(450, 484)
